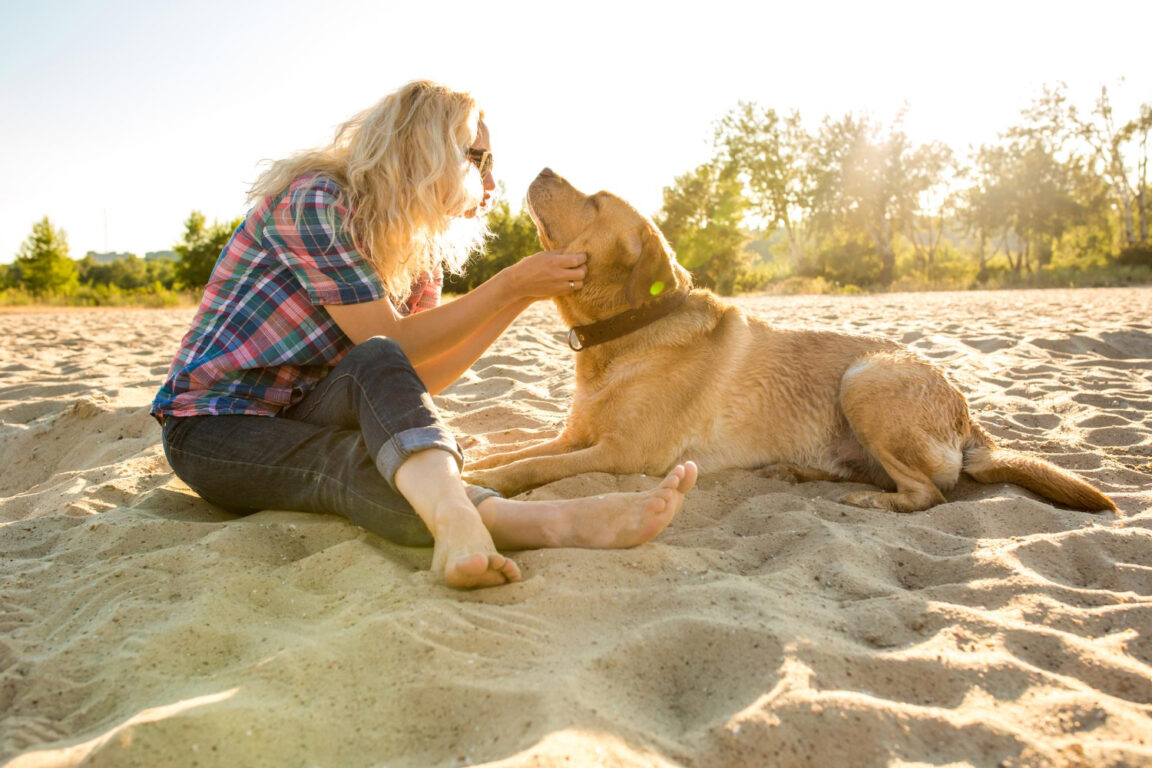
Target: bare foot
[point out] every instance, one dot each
(463, 549)
(611, 521)
(464, 552)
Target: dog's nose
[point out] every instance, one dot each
(547, 172)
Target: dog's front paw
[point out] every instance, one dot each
(865, 499)
(484, 462)
(785, 473)
(491, 478)
(477, 476)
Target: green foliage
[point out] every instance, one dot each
(42, 265)
(1073, 277)
(755, 278)
(950, 270)
(155, 296)
(874, 184)
(701, 220)
(771, 156)
(857, 203)
(1082, 246)
(200, 248)
(513, 237)
(1117, 153)
(128, 274)
(851, 262)
(1135, 256)
(43, 274)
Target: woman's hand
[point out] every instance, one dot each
(547, 274)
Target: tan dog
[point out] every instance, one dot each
(667, 373)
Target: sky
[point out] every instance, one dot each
(120, 117)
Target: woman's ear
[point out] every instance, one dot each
(652, 273)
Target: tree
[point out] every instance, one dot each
(701, 219)
(200, 248)
(1113, 147)
(1051, 183)
(129, 273)
(931, 172)
(877, 184)
(43, 263)
(770, 156)
(984, 212)
(1138, 130)
(852, 191)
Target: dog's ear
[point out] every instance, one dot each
(652, 272)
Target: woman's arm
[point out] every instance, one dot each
(440, 372)
(446, 340)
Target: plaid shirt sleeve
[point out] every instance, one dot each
(306, 233)
(425, 293)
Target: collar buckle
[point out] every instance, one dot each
(574, 340)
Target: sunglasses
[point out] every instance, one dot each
(482, 159)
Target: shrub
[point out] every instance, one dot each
(1135, 256)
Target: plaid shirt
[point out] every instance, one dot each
(260, 339)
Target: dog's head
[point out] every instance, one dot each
(629, 261)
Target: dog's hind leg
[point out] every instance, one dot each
(912, 421)
(914, 489)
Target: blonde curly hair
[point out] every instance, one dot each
(402, 171)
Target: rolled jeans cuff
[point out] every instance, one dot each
(403, 444)
(477, 494)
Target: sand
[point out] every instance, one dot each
(768, 626)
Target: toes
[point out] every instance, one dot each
(480, 570)
(486, 579)
(472, 565)
(508, 568)
(673, 478)
(691, 472)
(681, 478)
(657, 503)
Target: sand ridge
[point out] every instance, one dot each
(769, 625)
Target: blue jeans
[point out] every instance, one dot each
(334, 452)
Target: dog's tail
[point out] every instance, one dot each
(987, 463)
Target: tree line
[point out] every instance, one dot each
(1061, 198)
(44, 271)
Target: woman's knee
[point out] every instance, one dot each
(377, 353)
(380, 346)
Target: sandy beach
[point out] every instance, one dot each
(768, 626)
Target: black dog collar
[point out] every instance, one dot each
(584, 336)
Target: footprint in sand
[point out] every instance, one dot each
(1094, 559)
(1117, 437)
(989, 343)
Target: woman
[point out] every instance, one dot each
(304, 381)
